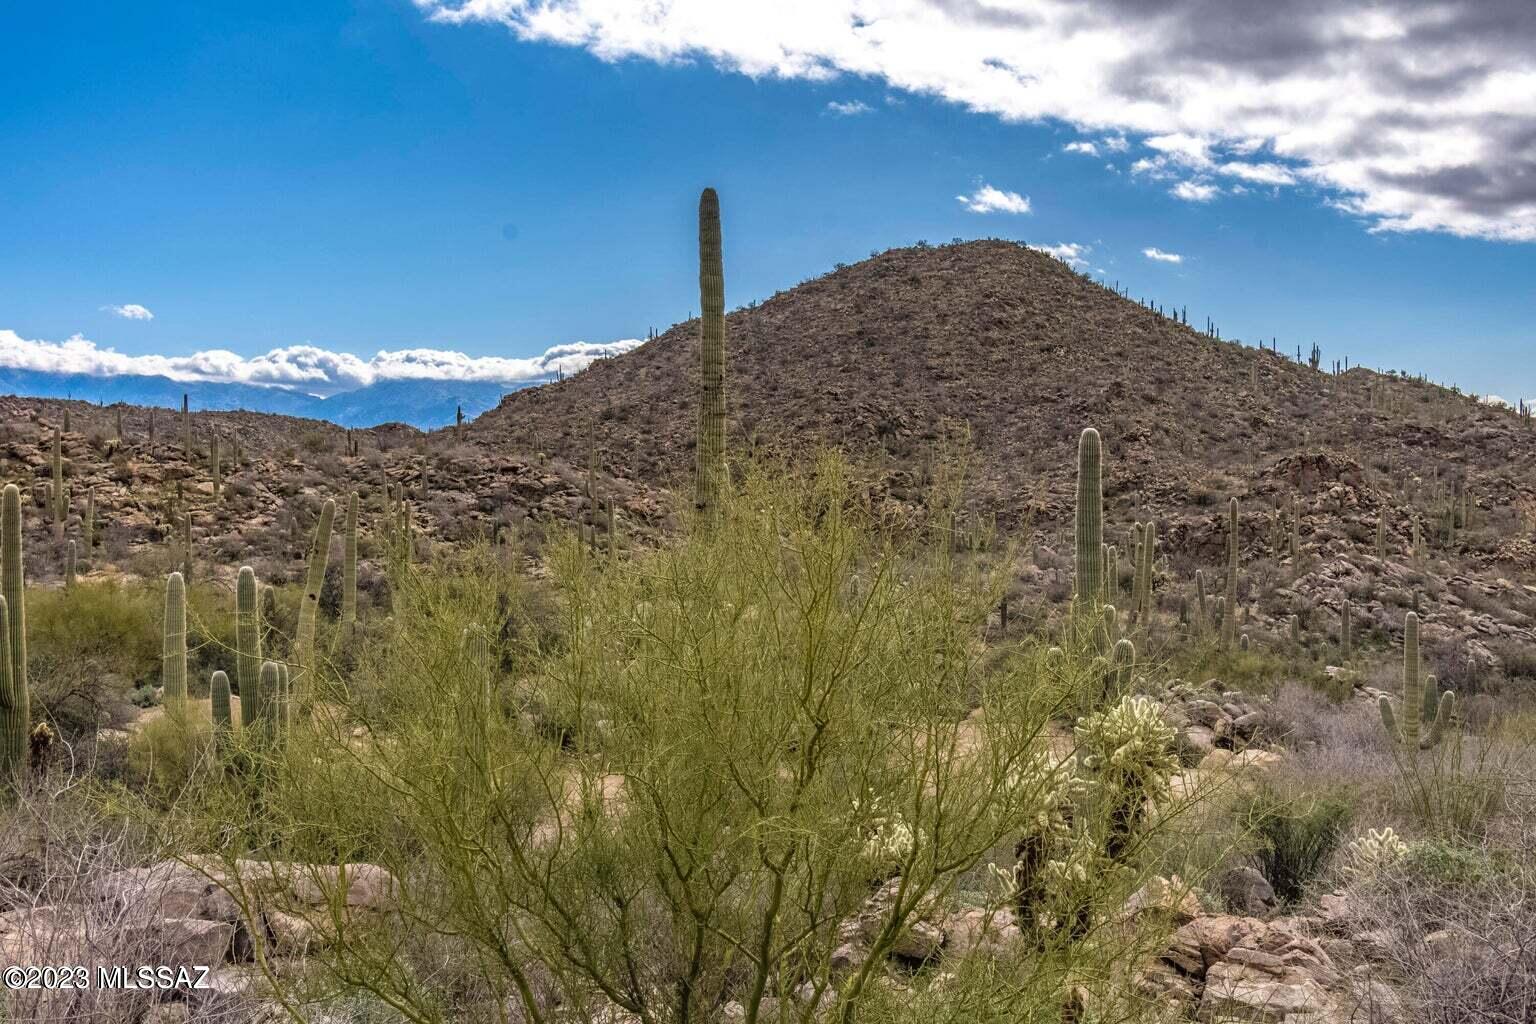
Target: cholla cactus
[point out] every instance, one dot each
(1369, 855)
(889, 840)
(1128, 753)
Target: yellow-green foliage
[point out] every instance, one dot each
(88, 649)
(168, 754)
(781, 709)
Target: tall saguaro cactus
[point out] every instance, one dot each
(1088, 531)
(1415, 705)
(267, 702)
(223, 721)
(60, 503)
(173, 651)
(1229, 616)
(349, 568)
(15, 697)
(215, 469)
(709, 472)
(247, 645)
(319, 553)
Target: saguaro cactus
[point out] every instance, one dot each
(69, 566)
(216, 470)
(186, 428)
(709, 472)
(15, 695)
(1414, 705)
(223, 721)
(266, 710)
(173, 651)
(1346, 632)
(1089, 527)
(59, 502)
(1144, 572)
(88, 526)
(1202, 609)
(319, 554)
(349, 568)
(247, 645)
(14, 713)
(1229, 616)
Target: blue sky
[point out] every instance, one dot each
(392, 175)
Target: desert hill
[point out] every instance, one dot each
(877, 356)
(886, 359)
(1024, 352)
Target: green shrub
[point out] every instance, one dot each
(1295, 834)
(167, 754)
(89, 648)
(1449, 863)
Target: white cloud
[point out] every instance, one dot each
(852, 108)
(1195, 191)
(1085, 148)
(987, 199)
(1154, 253)
(1261, 174)
(1116, 144)
(1411, 115)
(130, 311)
(1073, 254)
(303, 367)
(1182, 148)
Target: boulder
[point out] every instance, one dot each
(1246, 892)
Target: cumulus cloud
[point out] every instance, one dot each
(1414, 116)
(852, 108)
(307, 368)
(987, 199)
(1085, 148)
(1195, 191)
(1154, 253)
(129, 311)
(1260, 174)
(1073, 254)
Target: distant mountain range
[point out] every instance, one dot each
(426, 404)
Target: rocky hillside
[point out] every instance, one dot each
(885, 357)
(145, 483)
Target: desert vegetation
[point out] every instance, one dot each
(1252, 743)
